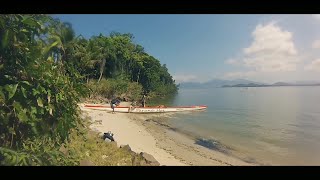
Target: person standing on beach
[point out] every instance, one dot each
(113, 105)
(143, 101)
(132, 106)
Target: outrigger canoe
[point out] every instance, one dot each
(151, 109)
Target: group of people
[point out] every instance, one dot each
(116, 102)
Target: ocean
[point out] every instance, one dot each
(263, 125)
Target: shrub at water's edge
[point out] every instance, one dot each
(109, 88)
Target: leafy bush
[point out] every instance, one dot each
(110, 88)
(100, 153)
(37, 94)
(36, 152)
(43, 70)
(134, 91)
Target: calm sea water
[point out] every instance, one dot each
(269, 125)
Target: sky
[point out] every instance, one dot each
(196, 48)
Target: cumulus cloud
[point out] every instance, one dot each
(184, 78)
(272, 50)
(316, 44)
(232, 61)
(313, 66)
(271, 38)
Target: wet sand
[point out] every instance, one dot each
(183, 147)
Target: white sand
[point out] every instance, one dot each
(128, 132)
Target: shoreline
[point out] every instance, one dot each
(147, 133)
(127, 132)
(183, 146)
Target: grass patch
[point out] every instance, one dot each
(87, 145)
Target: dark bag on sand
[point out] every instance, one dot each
(108, 135)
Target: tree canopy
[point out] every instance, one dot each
(44, 71)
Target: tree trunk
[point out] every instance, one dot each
(103, 63)
(138, 76)
(100, 76)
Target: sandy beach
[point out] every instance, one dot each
(128, 132)
(145, 133)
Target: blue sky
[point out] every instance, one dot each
(265, 48)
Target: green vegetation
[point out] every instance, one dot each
(86, 145)
(116, 57)
(110, 87)
(44, 72)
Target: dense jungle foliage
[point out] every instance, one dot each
(44, 72)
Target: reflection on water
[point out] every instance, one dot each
(271, 125)
(169, 100)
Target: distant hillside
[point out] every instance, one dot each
(281, 84)
(247, 85)
(216, 83)
(273, 85)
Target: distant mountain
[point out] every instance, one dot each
(220, 82)
(273, 85)
(306, 82)
(301, 83)
(247, 85)
(281, 84)
(243, 83)
(216, 83)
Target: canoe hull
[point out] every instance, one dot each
(144, 109)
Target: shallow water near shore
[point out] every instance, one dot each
(265, 126)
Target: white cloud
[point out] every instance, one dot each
(240, 74)
(272, 63)
(232, 61)
(271, 50)
(313, 66)
(316, 44)
(271, 38)
(184, 78)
